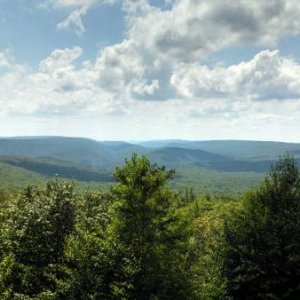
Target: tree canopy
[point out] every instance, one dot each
(142, 240)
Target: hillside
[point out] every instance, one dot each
(51, 167)
(244, 150)
(13, 178)
(205, 166)
(181, 157)
(81, 151)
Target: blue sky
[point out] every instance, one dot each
(138, 69)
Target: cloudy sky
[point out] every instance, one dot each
(150, 69)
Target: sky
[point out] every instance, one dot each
(150, 69)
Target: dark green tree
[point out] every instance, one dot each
(262, 258)
(146, 234)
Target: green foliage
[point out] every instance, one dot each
(88, 249)
(50, 167)
(141, 240)
(206, 244)
(216, 183)
(13, 178)
(144, 230)
(216, 167)
(263, 254)
(34, 231)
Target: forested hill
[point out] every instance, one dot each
(110, 153)
(236, 149)
(203, 165)
(78, 150)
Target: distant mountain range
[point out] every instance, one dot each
(90, 160)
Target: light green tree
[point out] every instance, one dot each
(35, 229)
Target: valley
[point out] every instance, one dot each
(216, 167)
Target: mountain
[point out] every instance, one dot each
(50, 167)
(81, 153)
(179, 157)
(247, 150)
(84, 152)
(203, 165)
(12, 178)
(235, 149)
(162, 143)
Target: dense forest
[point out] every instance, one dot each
(140, 239)
(220, 168)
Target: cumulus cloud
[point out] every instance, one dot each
(117, 65)
(191, 29)
(164, 49)
(161, 58)
(116, 80)
(267, 76)
(60, 59)
(61, 88)
(57, 87)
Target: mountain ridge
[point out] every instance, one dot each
(91, 160)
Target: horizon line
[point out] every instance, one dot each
(133, 141)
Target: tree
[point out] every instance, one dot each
(262, 258)
(207, 245)
(88, 250)
(36, 227)
(144, 232)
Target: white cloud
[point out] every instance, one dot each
(117, 65)
(167, 47)
(4, 60)
(193, 29)
(267, 76)
(144, 88)
(58, 87)
(117, 80)
(161, 58)
(79, 8)
(74, 21)
(60, 59)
